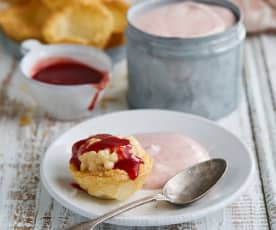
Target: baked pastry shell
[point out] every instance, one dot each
(114, 183)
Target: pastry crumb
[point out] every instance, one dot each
(25, 120)
(105, 100)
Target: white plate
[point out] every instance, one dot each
(221, 143)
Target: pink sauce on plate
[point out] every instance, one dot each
(185, 20)
(171, 153)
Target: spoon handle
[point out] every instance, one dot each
(92, 224)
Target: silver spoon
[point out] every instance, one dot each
(184, 188)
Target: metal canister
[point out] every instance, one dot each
(196, 75)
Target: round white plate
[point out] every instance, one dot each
(221, 144)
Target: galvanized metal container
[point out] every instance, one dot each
(196, 75)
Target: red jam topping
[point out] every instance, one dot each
(127, 160)
(65, 71)
(76, 186)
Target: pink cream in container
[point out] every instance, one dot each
(185, 55)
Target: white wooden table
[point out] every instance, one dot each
(25, 134)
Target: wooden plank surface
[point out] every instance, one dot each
(26, 132)
(262, 97)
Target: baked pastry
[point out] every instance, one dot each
(110, 167)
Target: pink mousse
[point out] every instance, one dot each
(185, 20)
(171, 153)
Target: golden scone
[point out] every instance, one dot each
(11, 1)
(59, 4)
(55, 4)
(112, 172)
(24, 20)
(118, 9)
(87, 23)
(5, 4)
(116, 40)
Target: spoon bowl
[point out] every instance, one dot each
(193, 183)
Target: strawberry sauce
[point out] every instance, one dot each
(127, 160)
(68, 72)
